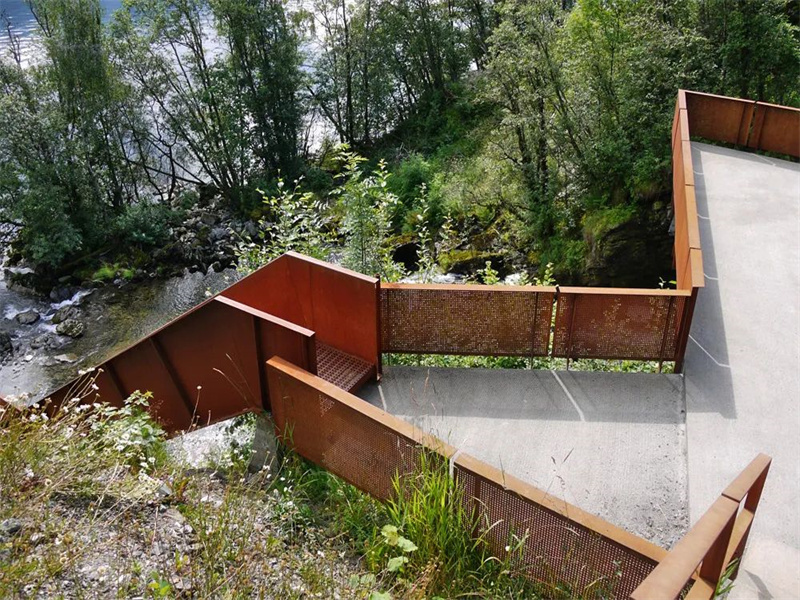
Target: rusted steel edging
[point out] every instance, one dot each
(713, 542)
(509, 483)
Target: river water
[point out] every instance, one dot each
(113, 317)
(23, 26)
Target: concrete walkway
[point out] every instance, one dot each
(742, 369)
(613, 444)
(625, 446)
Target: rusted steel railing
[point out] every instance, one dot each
(368, 448)
(619, 323)
(489, 320)
(746, 123)
(205, 366)
(560, 543)
(717, 539)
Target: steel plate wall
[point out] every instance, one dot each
(339, 305)
(719, 118)
(204, 367)
(603, 323)
(320, 421)
(776, 129)
(368, 448)
(466, 319)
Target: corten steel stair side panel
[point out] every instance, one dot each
(340, 305)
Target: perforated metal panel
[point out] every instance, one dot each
(340, 433)
(556, 549)
(341, 369)
(617, 326)
(464, 319)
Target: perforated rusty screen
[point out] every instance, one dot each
(465, 319)
(368, 447)
(604, 324)
(557, 551)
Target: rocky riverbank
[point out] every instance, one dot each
(44, 342)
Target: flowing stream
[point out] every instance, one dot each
(113, 319)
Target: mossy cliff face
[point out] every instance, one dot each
(629, 248)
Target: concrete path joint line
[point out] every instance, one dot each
(719, 364)
(569, 395)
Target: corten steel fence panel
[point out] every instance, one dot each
(466, 319)
(369, 448)
(212, 353)
(719, 118)
(618, 323)
(776, 129)
(340, 305)
(561, 544)
(219, 347)
(696, 563)
(341, 433)
(270, 289)
(276, 337)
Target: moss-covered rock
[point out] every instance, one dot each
(628, 247)
(469, 261)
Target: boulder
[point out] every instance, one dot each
(29, 317)
(42, 341)
(63, 292)
(71, 328)
(66, 358)
(6, 347)
(64, 313)
(10, 527)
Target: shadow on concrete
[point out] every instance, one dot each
(707, 350)
(609, 443)
(529, 395)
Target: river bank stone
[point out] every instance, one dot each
(6, 347)
(71, 327)
(63, 292)
(64, 313)
(43, 341)
(29, 317)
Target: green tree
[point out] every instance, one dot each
(66, 172)
(366, 205)
(757, 49)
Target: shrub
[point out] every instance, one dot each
(146, 224)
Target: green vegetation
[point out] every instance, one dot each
(537, 130)
(95, 499)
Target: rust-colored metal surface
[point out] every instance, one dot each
(341, 369)
(368, 448)
(719, 118)
(270, 289)
(712, 543)
(776, 129)
(618, 324)
(204, 367)
(466, 319)
(562, 544)
(339, 305)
